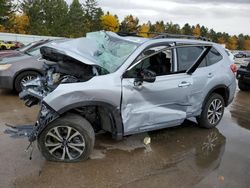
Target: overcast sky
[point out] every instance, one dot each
(232, 16)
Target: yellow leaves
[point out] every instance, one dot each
(20, 24)
(143, 30)
(221, 40)
(232, 43)
(246, 44)
(110, 22)
(2, 28)
(197, 30)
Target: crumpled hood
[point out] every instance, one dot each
(81, 49)
(104, 49)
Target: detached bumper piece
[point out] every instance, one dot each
(19, 131)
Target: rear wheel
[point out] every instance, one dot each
(243, 86)
(67, 139)
(212, 111)
(23, 78)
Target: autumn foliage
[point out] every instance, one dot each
(57, 18)
(110, 22)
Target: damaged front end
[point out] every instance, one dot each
(77, 60)
(55, 73)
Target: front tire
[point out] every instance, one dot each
(68, 139)
(212, 112)
(24, 77)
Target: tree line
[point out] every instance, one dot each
(57, 18)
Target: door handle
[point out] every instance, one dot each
(210, 75)
(184, 84)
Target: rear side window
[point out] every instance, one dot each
(213, 57)
(187, 57)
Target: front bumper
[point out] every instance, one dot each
(46, 116)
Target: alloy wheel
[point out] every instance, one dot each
(215, 111)
(27, 78)
(65, 143)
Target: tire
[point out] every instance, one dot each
(3, 48)
(73, 124)
(243, 86)
(27, 75)
(210, 117)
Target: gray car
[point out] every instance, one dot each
(125, 85)
(21, 66)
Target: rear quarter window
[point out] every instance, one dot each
(213, 57)
(187, 56)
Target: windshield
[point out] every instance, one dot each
(24, 48)
(112, 51)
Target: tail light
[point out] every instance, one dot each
(234, 68)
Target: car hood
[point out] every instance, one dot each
(9, 53)
(16, 59)
(81, 49)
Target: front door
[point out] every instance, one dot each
(163, 103)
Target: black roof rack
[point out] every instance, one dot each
(125, 34)
(157, 35)
(167, 35)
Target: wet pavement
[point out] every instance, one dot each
(184, 156)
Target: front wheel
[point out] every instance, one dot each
(212, 111)
(23, 78)
(67, 139)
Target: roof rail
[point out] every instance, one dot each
(157, 35)
(125, 34)
(167, 35)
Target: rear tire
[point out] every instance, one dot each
(212, 112)
(243, 86)
(22, 78)
(66, 147)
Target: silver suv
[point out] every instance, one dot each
(125, 85)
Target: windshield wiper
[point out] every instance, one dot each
(26, 52)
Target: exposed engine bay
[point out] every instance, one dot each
(57, 70)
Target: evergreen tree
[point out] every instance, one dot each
(76, 20)
(186, 29)
(173, 28)
(129, 24)
(204, 31)
(92, 16)
(7, 8)
(46, 17)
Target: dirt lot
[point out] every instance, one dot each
(185, 156)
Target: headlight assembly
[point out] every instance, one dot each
(5, 66)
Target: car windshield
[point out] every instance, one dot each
(112, 51)
(24, 48)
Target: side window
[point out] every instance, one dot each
(160, 63)
(187, 56)
(213, 57)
